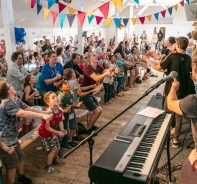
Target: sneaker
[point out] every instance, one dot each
(51, 169)
(175, 143)
(68, 147)
(72, 143)
(78, 138)
(89, 131)
(58, 161)
(119, 94)
(60, 154)
(24, 180)
(94, 128)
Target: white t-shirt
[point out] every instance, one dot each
(106, 78)
(73, 86)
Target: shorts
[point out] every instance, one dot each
(90, 102)
(26, 121)
(73, 122)
(12, 161)
(50, 143)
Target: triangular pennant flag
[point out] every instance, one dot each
(188, 1)
(70, 19)
(170, 10)
(163, 13)
(142, 19)
(136, 1)
(38, 1)
(114, 1)
(108, 21)
(118, 4)
(39, 7)
(50, 3)
(156, 16)
(175, 7)
(90, 19)
(81, 17)
(27, 1)
(98, 19)
(46, 12)
(104, 9)
(149, 17)
(54, 15)
(89, 13)
(182, 3)
(33, 2)
(62, 18)
(71, 10)
(133, 20)
(61, 6)
(125, 21)
(117, 22)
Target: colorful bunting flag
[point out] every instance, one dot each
(33, 2)
(108, 21)
(117, 22)
(98, 19)
(89, 13)
(50, 3)
(188, 1)
(163, 13)
(39, 7)
(62, 18)
(156, 16)
(136, 1)
(182, 3)
(81, 18)
(149, 17)
(71, 10)
(61, 6)
(27, 1)
(142, 19)
(46, 12)
(117, 4)
(38, 1)
(54, 16)
(170, 10)
(90, 19)
(70, 19)
(125, 21)
(133, 20)
(104, 9)
(175, 7)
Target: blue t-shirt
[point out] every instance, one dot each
(119, 65)
(49, 72)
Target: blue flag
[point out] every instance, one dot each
(156, 15)
(137, 1)
(90, 19)
(170, 10)
(117, 22)
(39, 7)
(125, 21)
(50, 3)
(62, 18)
(38, 1)
(71, 19)
(188, 1)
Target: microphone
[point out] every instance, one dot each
(172, 75)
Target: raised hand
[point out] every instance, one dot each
(58, 76)
(175, 84)
(79, 105)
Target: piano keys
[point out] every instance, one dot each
(133, 155)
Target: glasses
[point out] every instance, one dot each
(9, 86)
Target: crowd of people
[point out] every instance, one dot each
(56, 76)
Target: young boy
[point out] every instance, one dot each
(50, 131)
(66, 101)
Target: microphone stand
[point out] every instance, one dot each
(90, 140)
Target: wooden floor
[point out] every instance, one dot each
(75, 171)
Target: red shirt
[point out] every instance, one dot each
(89, 70)
(82, 66)
(54, 122)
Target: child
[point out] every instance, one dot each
(30, 94)
(49, 132)
(66, 100)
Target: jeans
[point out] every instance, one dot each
(120, 82)
(107, 92)
(64, 140)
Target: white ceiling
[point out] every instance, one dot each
(26, 17)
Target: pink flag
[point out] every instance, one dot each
(81, 17)
(104, 9)
(163, 13)
(98, 19)
(142, 19)
(61, 6)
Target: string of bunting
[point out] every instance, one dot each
(104, 9)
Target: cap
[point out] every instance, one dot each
(101, 54)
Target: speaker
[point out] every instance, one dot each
(67, 1)
(84, 34)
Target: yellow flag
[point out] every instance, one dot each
(113, 1)
(89, 13)
(133, 20)
(27, 1)
(71, 10)
(175, 7)
(46, 13)
(108, 21)
(149, 17)
(119, 4)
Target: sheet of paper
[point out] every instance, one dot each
(151, 112)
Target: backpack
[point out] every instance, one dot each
(138, 80)
(81, 128)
